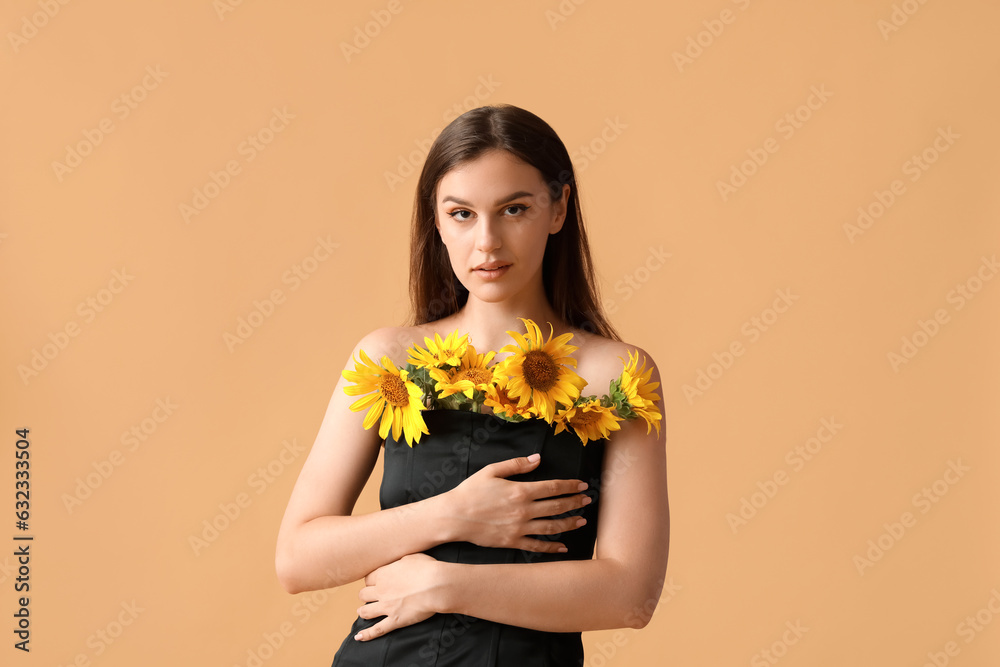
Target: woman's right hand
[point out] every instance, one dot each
(492, 511)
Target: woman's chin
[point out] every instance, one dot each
(492, 293)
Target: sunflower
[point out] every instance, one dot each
(539, 372)
(392, 396)
(472, 374)
(503, 405)
(590, 420)
(447, 352)
(638, 391)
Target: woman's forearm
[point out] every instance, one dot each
(329, 551)
(618, 588)
(563, 596)
(485, 509)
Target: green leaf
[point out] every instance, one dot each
(512, 418)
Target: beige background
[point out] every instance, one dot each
(652, 137)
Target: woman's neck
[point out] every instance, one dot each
(487, 323)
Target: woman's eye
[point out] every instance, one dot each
(460, 215)
(515, 209)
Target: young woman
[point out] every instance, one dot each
(483, 553)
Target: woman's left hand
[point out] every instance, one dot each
(402, 591)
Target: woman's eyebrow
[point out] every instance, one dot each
(502, 200)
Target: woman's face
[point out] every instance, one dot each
(495, 215)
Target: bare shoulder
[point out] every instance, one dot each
(392, 342)
(600, 360)
(389, 342)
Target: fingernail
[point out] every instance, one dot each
(582, 486)
(357, 637)
(534, 457)
(562, 550)
(587, 500)
(580, 522)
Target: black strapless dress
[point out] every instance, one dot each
(459, 444)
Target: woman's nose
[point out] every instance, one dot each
(487, 235)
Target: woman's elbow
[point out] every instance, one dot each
(640, 603)
(289, 568)
(284, 567)
(294, 579)
(636, 620)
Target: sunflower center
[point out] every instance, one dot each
(476, 376)
(582, 418)
(502, 397)
(540, 370)
(394, 390)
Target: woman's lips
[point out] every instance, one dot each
(491, 274)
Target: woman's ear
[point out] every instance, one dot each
(559, 208)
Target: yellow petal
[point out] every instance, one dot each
(366, 359)
(383, 427)
(373, 414)
(366, 401)
(397, 423)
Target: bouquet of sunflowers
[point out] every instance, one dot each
(535, 381)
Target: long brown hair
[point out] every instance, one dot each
(567, 268)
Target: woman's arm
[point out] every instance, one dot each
(321, 545)
(618, 588)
